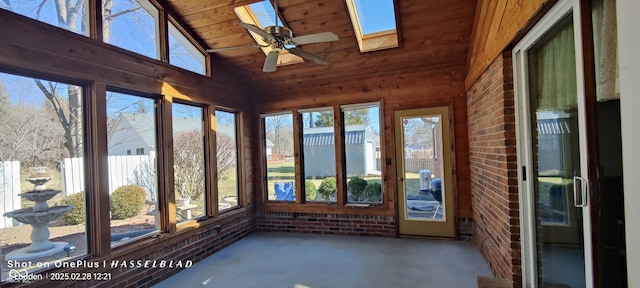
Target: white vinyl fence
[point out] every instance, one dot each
(121, 171)
(9, 190)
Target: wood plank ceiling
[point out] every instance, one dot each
(431, 33)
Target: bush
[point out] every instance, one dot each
(355, 187)
(310, 190)
(127, 201)
(77, 214)
(373, 192)
(327, 188)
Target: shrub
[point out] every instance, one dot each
(127, 201)
(328, 188)
(373, 192)
(310, 190)
(355, 187)
(77, 214)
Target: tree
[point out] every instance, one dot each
(279, 132)
(351, 117)
(226, 155)
(325, 119)
(4, 97)
(145, 177)
(69, 115)
(356, 117)
(188, 162)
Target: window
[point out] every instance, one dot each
(227, 155)
(132, 25)
(39, 151)
(183, 53)
(362, 152)
(280, 165)
(133, 188)
(319, 154)
(74, 18)
(262, 14)
(374, 23)
(189, 161)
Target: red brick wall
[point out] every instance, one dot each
(492, 153)
(361, 225)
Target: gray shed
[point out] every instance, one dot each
(320, 159)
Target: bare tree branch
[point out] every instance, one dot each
(123, 12)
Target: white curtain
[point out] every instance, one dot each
(552, 70)
(605, 49)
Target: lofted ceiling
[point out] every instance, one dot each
(431, 33)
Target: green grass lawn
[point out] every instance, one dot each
(285, 172)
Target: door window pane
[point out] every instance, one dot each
(280, 165)
(227, 155)
(556, 156)
(133, 188)
(423, 167)
(362, 153)
(319, 155)
(189, 161)
(41, 170)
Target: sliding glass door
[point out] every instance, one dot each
(552, 153)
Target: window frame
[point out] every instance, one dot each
(337, 151)
(240, 176)
(380, 119)
(189, 38)
(371, 41)
(207, 167)
(341, 204)
(162, 224)
(263, 152)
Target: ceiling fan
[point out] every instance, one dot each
(280, 38)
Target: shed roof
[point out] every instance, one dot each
(354, 134)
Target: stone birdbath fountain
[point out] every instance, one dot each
(38, 217)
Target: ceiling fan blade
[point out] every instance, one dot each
(232, 48)
(271, 63)
(258, 31)
(309, 56)
(315, 38)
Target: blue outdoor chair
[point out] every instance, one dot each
(285, 191)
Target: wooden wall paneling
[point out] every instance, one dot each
(297, 156)
(212, 16)
(189, 7)
(338, 132)
(77, 57)
(167, 198)
(211, 177)
(96, 182)
(495, 29)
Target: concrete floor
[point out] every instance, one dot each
(290, 260)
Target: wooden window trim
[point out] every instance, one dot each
(341, 206)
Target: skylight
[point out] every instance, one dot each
(374, 23)
(262, 15)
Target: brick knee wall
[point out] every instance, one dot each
(320, 223)
(202, 243)
(492, 155)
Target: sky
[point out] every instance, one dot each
(376, 15)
